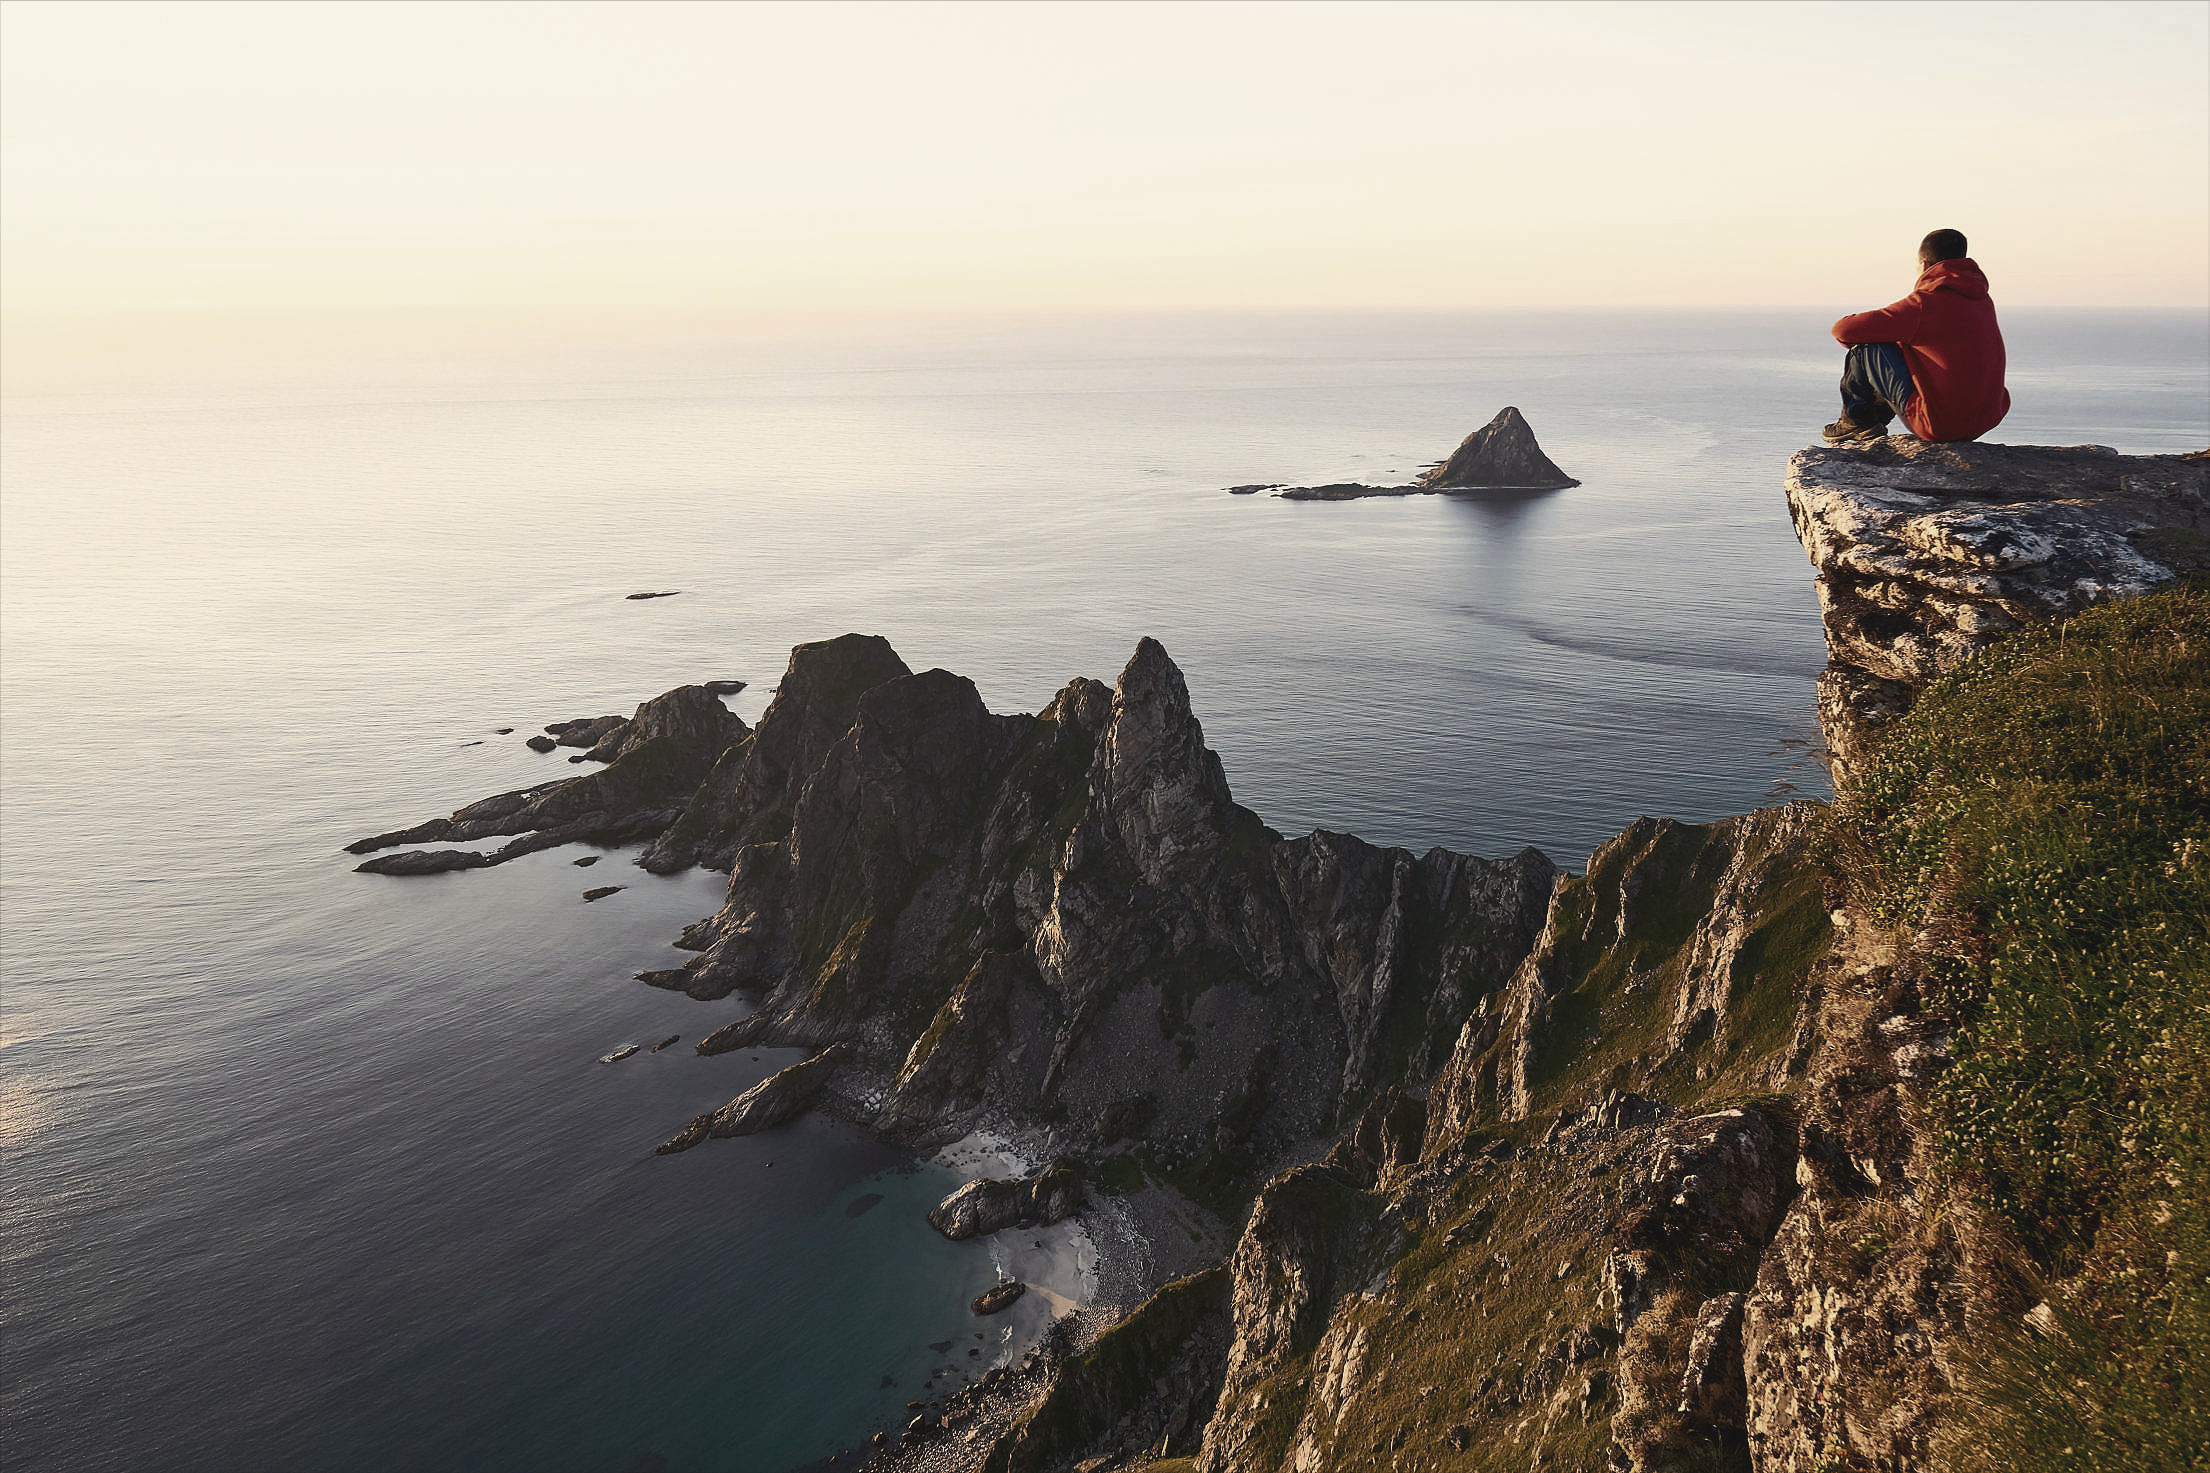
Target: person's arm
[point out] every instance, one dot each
(1895, 323)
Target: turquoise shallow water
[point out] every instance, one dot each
(304, 1169)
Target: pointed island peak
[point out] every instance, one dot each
(1500, 456)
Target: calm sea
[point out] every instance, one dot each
(310, 1170)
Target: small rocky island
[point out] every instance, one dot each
(1500, 456)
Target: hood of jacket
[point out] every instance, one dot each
(1960, 276)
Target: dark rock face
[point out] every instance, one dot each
(1148, 1387)
(747, 797)
(1502, 455)
(587, 732)
(985, 1206)
(1928, 552)
(656, 759)
(780, 1097)
(1034, 911)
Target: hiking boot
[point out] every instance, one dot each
(1855, 428)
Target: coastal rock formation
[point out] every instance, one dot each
(1502, 455)
(656, 759)
(1928, 552)
(782, 1096)
(985, 1205)
(1067, 915)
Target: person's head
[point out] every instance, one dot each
(1941, 245)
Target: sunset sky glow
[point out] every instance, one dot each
(1165, 155)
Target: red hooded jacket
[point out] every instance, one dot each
(1946, 328)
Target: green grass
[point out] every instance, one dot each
(2039, 826)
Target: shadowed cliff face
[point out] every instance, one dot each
(1067, 915)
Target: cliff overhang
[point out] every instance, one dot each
(1926, 553)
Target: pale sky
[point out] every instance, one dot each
(1027, 155)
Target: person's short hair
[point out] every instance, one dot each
(1941, 245)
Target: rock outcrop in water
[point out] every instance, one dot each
(1927, 552)
(656, 760)
(1500, 456)
(781, 1097)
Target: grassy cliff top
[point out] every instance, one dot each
(2039, 829)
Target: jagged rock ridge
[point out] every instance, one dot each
(1068, 915)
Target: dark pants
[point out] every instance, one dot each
(1876, 382)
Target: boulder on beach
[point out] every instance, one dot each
(990, 1301)
(985, 1206)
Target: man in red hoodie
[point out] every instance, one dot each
(1936, 357)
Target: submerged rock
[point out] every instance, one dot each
(424, 862)
(601, 892)
(619, 1054)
